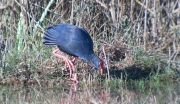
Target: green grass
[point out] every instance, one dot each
(143, 79)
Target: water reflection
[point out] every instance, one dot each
(103, 95)
(84, 94)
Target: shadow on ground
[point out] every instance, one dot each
(130, 73)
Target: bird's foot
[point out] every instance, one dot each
(74, 78)
(70, 64)
(75, 81)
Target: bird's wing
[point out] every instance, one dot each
(75, 41)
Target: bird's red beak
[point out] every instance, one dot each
(101, 64)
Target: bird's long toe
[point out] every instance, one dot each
(74, 78)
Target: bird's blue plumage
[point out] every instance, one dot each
(72, 40)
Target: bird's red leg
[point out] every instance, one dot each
(73, 60)
(70, 65)
(64, 58)
(74, 70)
(74, 75)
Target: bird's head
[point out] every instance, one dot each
(99, 65)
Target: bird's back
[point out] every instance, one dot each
(70, 39)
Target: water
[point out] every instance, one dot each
(88, 94)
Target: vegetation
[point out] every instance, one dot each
(138, 41)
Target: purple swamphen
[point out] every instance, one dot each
(74, 41)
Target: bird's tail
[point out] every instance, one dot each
(50, 36)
